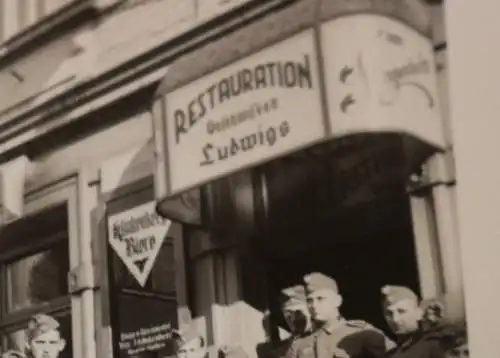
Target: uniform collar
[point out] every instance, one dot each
(331, 327)
(407, 340)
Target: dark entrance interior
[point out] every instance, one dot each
(342, 210)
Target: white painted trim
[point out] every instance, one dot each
(446, 219)
(124, 168)
(65, 191)
(425, 239)
(13, 178)
(10, 18)
(473, 73)
(79, 112)
(183, 311)
(87, 201)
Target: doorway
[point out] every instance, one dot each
(342, 210)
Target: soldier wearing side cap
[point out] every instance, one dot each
(405, 316)
(294, 308)
(335, 337)
(43, 337)
(297, 316)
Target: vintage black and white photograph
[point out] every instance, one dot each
(229, 179)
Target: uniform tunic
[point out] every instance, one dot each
(356, 339)
(267, 350)
(420, 345)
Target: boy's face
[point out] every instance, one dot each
(324, 305)
(47, 345)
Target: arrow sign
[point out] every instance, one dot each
(347, 102)
(345, 73)
(137, 235)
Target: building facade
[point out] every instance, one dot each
(83, 162)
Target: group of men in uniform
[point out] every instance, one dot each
(312, 312)
(318, 330)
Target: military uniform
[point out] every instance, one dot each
(343, 339)
(348, 339)
(293, 297)
(427, 340)
(421, 344)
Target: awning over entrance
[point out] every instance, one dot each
(307, 73)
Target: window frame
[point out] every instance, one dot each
(39, 26)
(36, 201)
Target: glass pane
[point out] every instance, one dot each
(38, 278)
(17, 340)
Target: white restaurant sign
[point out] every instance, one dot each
(379, 76)
(137, 235)
(260, 107)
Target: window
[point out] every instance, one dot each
(34, 266)
(42, 274)
(17, 15)
(33, 271)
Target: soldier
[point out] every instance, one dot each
(296, 314)
(295, 310)
(334, 337)
(298, 320)
(405, 316)
(190, 344)
(43, 337)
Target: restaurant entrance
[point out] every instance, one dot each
(343, 210)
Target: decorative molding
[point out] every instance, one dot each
(132, 76)
(27, 39)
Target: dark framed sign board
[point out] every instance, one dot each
(141, 274)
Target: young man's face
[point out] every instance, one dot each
(403, 316)
(47, 345)
(192, 349)
(324, 305)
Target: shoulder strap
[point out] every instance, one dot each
(358, 323)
